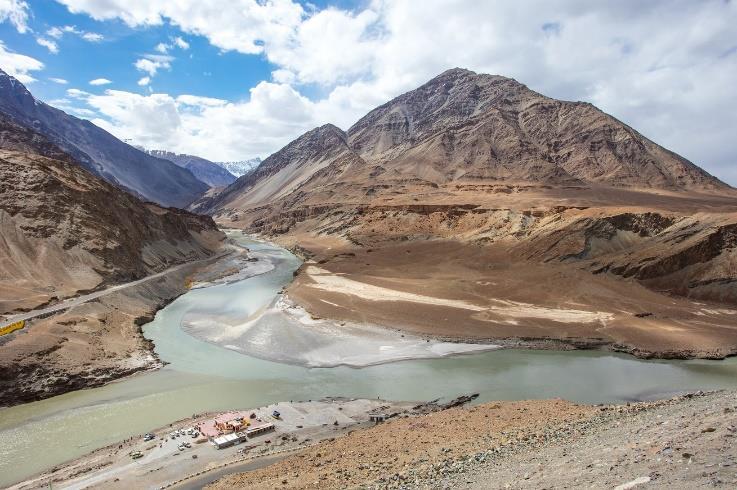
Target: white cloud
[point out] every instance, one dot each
(77, 94)
(193, 100)
(93, 37)
(152, 63)
(18, 65)
(216, 128)
(100, 81)
(55, 32)
(666, 67)
(60, 81)
(143, 81)
(48, 44)
(15, 12)
(177, 42)
(242, 26)
(58, 32)
(181, 43)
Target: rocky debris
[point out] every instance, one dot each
(525, 445)
(661, 443)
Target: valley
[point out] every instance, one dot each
(468, 237)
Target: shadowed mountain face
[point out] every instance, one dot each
(66, 230)
(206, 171)
(98, 151)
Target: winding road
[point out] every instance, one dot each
(78, 300)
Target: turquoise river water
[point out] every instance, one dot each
(204, 377)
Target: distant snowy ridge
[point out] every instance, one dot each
(242, 167)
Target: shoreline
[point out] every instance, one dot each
(516, 429)
(401, 288)
(312, 432)
(687, 441)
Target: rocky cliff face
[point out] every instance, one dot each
(65, 230)
(100, 152)
(206, 171)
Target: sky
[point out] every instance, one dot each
(236, 79)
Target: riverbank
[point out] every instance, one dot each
(683, 442)
(93, 341)
(162, 462)
(462, 292)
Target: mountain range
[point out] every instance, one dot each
(65, 231)
(242, 167)
(463, 128)
(98, 151)
(473, 172)
(212, 174)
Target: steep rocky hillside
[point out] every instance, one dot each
(65, 230)
(545, 203)
(465, 129)
(206, 171)
(98, 151)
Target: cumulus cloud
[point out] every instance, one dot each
(176, 42)
(15, 12)
(180, 43)
(77, 94)
(666, 67)
(243, 26)
(152, 63)
(143, 81)
(100, 81)
(60, 81)
(216, 128)
(48, 44)
(18, 65)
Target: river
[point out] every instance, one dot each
(203, 377)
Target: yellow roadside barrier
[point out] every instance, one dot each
(12, 327)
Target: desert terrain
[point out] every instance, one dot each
(476, 208)
(684, 442)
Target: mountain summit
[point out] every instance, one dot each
(154, 179)
(464, 129)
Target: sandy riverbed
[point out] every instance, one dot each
(285, 332)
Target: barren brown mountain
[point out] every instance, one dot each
(65, 231)
(555, 221)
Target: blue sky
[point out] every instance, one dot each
(236, 79)
(202, 68)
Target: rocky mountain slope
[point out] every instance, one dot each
(522, 180)
(466, 128)
(98, 151)
(206, 171)
(65, 230)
